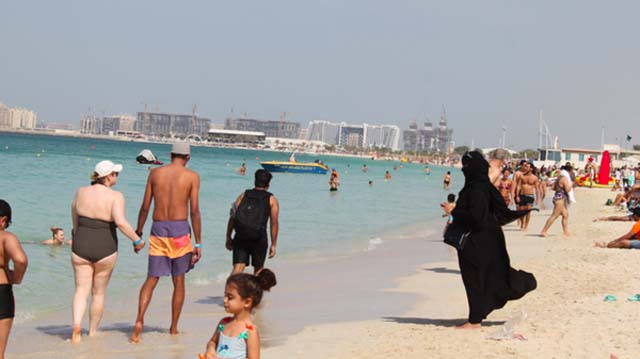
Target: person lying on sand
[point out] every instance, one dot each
(627, 240)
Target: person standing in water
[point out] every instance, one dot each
(446, 181)
(97, 210)
(248, 219)
(174, 189)
(334, 180)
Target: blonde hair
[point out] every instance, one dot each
(55, 230)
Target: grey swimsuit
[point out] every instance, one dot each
(94, 239)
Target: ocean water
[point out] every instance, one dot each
(40, 175)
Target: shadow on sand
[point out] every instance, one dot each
(443, 270)
(219, 300)
(449, 323)
(64, 331)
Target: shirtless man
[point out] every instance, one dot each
(446, 181)
(525, 187)
(496, 164)
(174, 188)
(10, 250)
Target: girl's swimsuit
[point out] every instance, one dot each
(232, 347)
(94, 239)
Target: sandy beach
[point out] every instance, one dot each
(566, 316)
(402, 299)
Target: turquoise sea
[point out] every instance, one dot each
(41, 173)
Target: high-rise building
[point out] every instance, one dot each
(351, 135)
(160, 124)
(280, 128)
(382, 136)
(429, 138)
(327, 132)
(365, 135)
(17, 118)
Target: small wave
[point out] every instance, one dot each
(23, 316)
(200, 282)
(374, 243)
(222, 277)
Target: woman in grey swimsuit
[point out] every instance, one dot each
(561, 186)
(96, 211)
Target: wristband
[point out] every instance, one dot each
(137, 243)
(198, 245)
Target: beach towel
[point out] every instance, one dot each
(571, 194)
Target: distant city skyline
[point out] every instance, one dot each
(493, 64)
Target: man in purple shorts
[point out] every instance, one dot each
(174, 188)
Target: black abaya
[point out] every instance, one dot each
(484, 262)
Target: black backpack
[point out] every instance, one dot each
(250, 220)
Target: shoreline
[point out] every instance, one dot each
(566, 314)
(304, 297)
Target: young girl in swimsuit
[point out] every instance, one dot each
(237, 337)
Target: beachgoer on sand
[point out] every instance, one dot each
(488, 278)
(561, 201)
(10, 251)
(174, 190)
(248, 222)
(526, 192)
(97, 210)
(630, 239)
(237, 336)
(505, 186)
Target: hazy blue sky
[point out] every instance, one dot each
(491, 63)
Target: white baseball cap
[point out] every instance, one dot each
(105, 168)
(180, 148)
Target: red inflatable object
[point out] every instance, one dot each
(605, 168)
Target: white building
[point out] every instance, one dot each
(324, 131)
(364, 135)
(17, 118)
(382, 136)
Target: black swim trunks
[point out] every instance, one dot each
(526, 199)
(250, 253)
(7, 303)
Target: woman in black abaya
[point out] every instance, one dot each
(488, 277)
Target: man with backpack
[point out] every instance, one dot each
(248, 219)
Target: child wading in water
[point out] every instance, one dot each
(236, 337)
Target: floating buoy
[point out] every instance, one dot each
(37, 155)
(93, 147)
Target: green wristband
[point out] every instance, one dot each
(137, 243)
(198, 245)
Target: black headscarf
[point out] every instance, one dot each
(476, 172)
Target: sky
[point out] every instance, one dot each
(492, 64)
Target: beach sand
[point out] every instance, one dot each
(339, 307)
(566, 314)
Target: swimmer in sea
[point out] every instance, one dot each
(427, 170)
(365, 168)
(387, 176)
(57, 237)
(243, 169)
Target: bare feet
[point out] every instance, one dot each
(76, 334)
(136, 336)
(173, 331)
(468, 325)
(543, 234)
(567, 234)
(600, 244)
